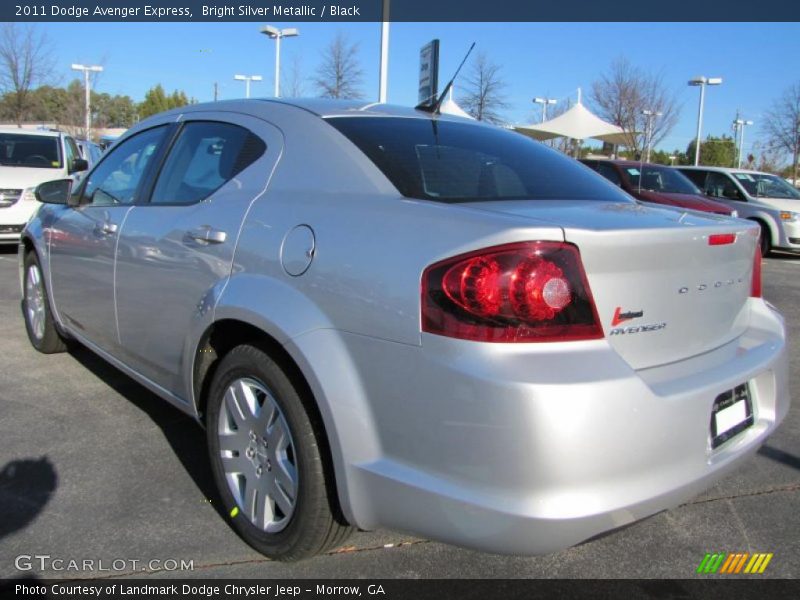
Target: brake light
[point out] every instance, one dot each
(525, 292)
(755, 285)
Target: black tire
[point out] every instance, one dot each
(316, 523)
(765, 240)
(44, 334)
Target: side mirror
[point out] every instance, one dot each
(79, 164)
(54, 192)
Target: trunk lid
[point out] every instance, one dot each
(662, 291)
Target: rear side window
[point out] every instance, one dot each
(205, 156)
(447, 161)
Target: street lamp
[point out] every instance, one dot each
(739, 125)
(86, 70)
(544, 102)
(277, 34)
(702, 82)
(648, 130)
(247, 79)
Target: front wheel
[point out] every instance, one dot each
(39, 323)
(267, 459)
(765, 240)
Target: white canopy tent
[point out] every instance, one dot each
(578, 123)
(450, 107)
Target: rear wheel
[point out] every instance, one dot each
(39, 323)
(267, 460)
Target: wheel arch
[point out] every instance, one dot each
(227, 333)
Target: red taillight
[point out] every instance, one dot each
(721, 239)
(526, 292)
(755, 285)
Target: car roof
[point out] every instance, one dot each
(324, 108)
(624, 163)
(44, 132)
(722, 169)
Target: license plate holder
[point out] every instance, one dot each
(731, 413)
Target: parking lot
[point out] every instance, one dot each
(95, 467)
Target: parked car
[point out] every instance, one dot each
(767, 199)
(90, 151)
(656, 183)
(28, 158)
(387, 318)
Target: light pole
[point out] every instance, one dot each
(739, 125)
(86, 70)
(278, 34)
(544, 102)
(383, 73)
(247, 79)
(648, 130)
(701, 81)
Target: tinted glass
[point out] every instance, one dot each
(609, 172)
(767, 186)
(205, 156)
(38, 151)
(460, 162)
(696, 177)
(659, 179)
(719, 185)
(116, 179)
(72, 151)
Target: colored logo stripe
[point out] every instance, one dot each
(758, 563)
(733, 563)
(711, 562)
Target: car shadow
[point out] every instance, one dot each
(780, 456)
(26, 486)
(781, 255)
(8, 249)
(185, 437)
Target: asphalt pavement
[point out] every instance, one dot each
(95, 467)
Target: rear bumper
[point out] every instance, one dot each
(528, 449)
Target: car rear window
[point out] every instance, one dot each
(446, 161)
(21, 150)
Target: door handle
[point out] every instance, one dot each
(107, 228)
(208, 235)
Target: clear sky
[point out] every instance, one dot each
(756, 60)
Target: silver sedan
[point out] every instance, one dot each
(390, 318)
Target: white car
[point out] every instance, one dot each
(761, 197)
(28, 158)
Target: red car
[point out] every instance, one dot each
(656, 183)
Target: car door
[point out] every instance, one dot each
(176, 250)
(83, 238)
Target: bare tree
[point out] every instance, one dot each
(25, 61)
(484, 96)
(340, 74)
(782, 125)
(624, 91)
(294, 84)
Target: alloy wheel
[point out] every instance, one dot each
(258, 455)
